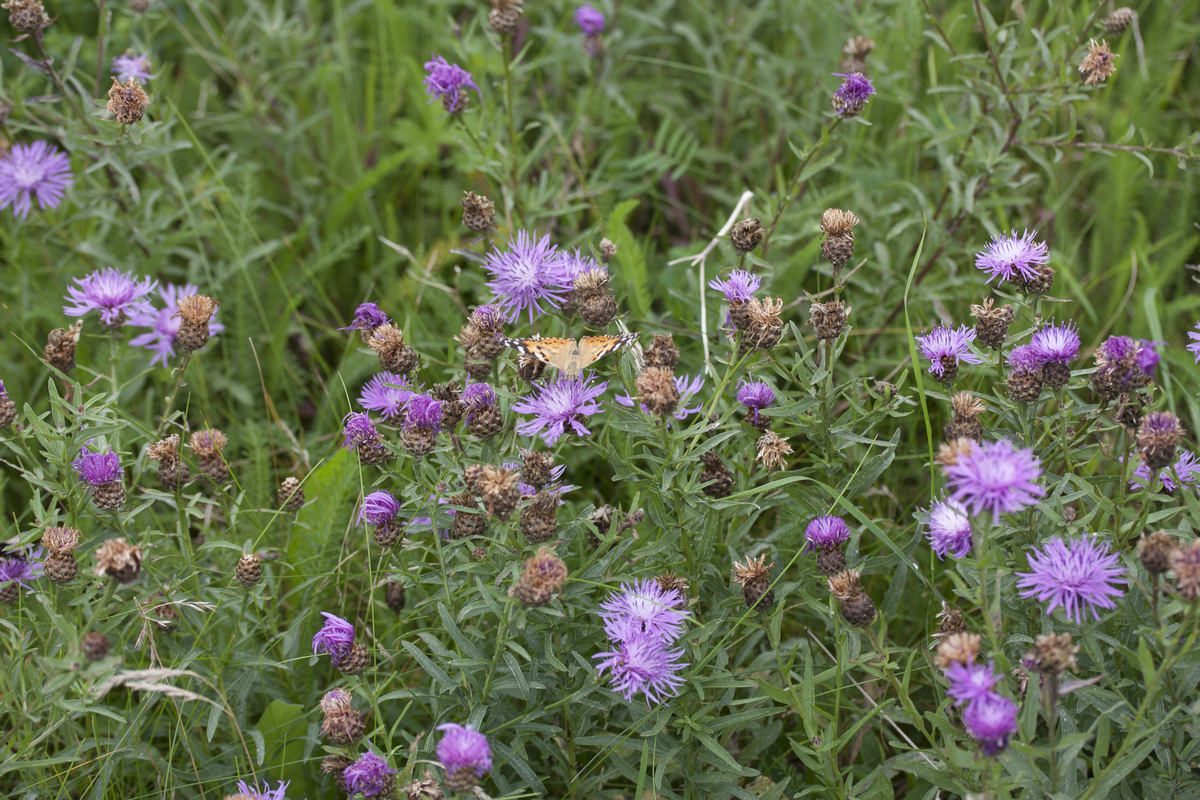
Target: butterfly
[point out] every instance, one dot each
(567, 356)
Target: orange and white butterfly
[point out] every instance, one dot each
(567, 356)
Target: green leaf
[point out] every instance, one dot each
(334, 483)
(631, 258)
(283, 732)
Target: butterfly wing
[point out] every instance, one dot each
(594, 348)
(554, 352)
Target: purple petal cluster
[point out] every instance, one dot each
(370, 775)
(825, 532)
(446, 81)
(1024, 358)
(1186, 466)
(995, 477)
(463, 746)
(853, 92)
(475, 398)
(739, 287)
(34, 171)
(1013, 256)
(1081, 575)
(130, 66)
(1056, 344)
(589, 20)
(387, 393)
(334, 639)
(946, 342)
(559, 405)
(991, 721)
(528, 277)
(367, 317)
(265, 793)
(1148, 357)
(687, 387)
(164, 323)
(949, 529)
(643, 622)
(21, 568)
(97, 469)
(573, 263)
(755, 396)
(424, 412)
(111, 292)
(643, 664)
(379, 508)
(1194, 347)
(971, 682)
(644, 608)
(360, 431)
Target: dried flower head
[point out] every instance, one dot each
(836, 222)
(957, 648)
(1185, 563)
(858, 47)
(1116, 22)
(26, 16)
(844, 585)
(670, 582)
(61, 541)
(657, 391)
(991, 324)
(61, 342)
(755, 570)
(772, 449)
(499, 489)
(1099, 63)
(127, 102)
(504, 16)
(1153, 549)
(426, 788)
(746, 235)
(118, 559)
(207, 443)
(479, 213)
(165, 449)
(828, 319)
(950, 621)
(541, 579)
(1157, 436)
(950, 452)
(1053, 654)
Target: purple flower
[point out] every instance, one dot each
(127, 67)
(38, 170)
(334, 639)
(424, 412)
(164, 323)
(444, 82)
(387, 393)
(3, 391)
(367, 317)
(643, 608)
(265, 793)
(739, 287)
(1056, 344)
(1079, 575)
(573, 263)
(360, 432)
(97, 469)
(944, 343)
(379, 508)
(113, 293)
(21, 568)
(556, 474)
(527, 276)
(825, 532)
(1194, 347)
(755, 397)
(991, 720)
(949, 529)
(475, 398)
(1013, 256)
(1024, 358)
(559, 404)
(643, 664)
(1147, 357)
(1186, 467)
(1117, 348)
(686, 388)
(995, 477)
(590, 21)
(971, 682)
(370, 775)
(852, 95)
(464, 747)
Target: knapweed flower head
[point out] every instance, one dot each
(739, 287)
(1013, 257)
(266, 792)
(991, 721)
(574, 263)
(387, 393)
(1055, 344)
(996, 477)
(359, 432)
(643, 664)
(528, 277)
(131, 66)
(97, 469)
(379, 508)
(370, 775)
(463, 746)
(1148, 357)
(164, 323)
(1081, 575)
(424, 412)
(944, 346)
(334, 639)
(34, 171)
(476, 397)
(1194, 347)
(852, 95)
(447, 82)
(21, 569)
(644, 608)
(115, 294)
(561, 405)
(367, 317)
(755, 396)
(1024, 358)
(589, 20)
(685, 386)
(1186, 466)
(948, 529)
(970, 682)
(825, 532)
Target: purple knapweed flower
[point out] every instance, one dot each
(755, 397)
(644, 608)
(115, 294)
(970, 682)
(643, 664)
(379, 508)
(370, 775)
(265, 793)
(560, 404)
(334, 639)
(852, 95)
(445, 81)
(739, 287)
(463, 746)
(1194, 347)
(39, 170)
(360, 432)
(944, 344)
(367, 317)
(164, 323)
(1024, 358)
(825, 532)
(97, 469)
(423, 412)
(1055, 344)
(1186, 467)
(996, 477)
(1078, 574)
(685, 386)
(21, 568)
(949, 529)
(991, 720)
(130, 66)
(589, 20)
(1012, 256)
(573, 263)
(387, 393)
(475, 398)
(3, 391)
(528, 277)
(1148, 357)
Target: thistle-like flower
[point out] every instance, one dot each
(371, 776)
(529, 277)
(589, 20)
(388, 393)
(465, 755)
(756, 396)
(644, 607)
(1014, 258)
(1156, 438)
(37, 171)
(559, 406)
(991, 721)
(362, 437)
(945, 347)
(970, 682)
(115, 294)
(1055, 347)
(335, 638)
(448, 82)
(643, 664)
(996, 477)
(949, 529)
(130, 66)
(1081, 575)
(851, 97)
(367, 317)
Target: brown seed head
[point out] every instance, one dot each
(1159, 429)
(593, 281)
(746, 235)
(335, 702)
(1053, 654)
(386, 338)
(844, 585)
(499, 489)
(127, 102)
(950, 621)
(479, 213)
(425, 789)
(541, 578)
(948, 452)
(118, 559)
(967, 405)
(771, 451)
(537, 468)
(662, 351)
(607, 250)
(196, 309)
(165, 449)
(669, 580)
(61, 540)
(657, 390)
(1116, 22)
(957, 648)
(26, 15)
(836, 222)
(858, 47)
(207, 443)
(60, 346)
(828, 319)
(1154, 550)
(987, 311)
(1185, 563)
(1098, 64)
(753, 571)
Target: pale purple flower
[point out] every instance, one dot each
(1056, 344)
(115, 294)
(739, 287)
(528, 277)
(1081, 575)
(1148, 357)
(387, 393)
(643, 664)
(589, 20)
(1194, 347)
(991, 721)
(949, 529)
(971, 682)
(475, 398)
(557, 405)
(685, 386)
(98, 469)
(1187, 467)
(755, 397)
(370, 775)
(572, 264)
(367, 317)
(424, 412)
(995, 477)
(825, 532)
(1024, 358)
(1012, 256)
(379, 508)
(463, 746)
(334, 639)
(164, 323)
(852, 95)
(643, 608)
(265, 793)
(129, 66)
(39, 170)
(21, 567)
(445, 81)
(944, 343)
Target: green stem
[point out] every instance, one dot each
(500, 644)
(1051, 725)
(791, 192)
(183, 362)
